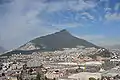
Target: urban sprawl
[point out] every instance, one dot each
(68, 64)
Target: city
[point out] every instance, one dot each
(68, 64)
(59, 39)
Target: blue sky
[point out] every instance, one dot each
(94, 20)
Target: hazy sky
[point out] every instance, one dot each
(97, 21)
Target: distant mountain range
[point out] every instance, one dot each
(58, 40)
(1, 49)
(113, 47)
(55, 41)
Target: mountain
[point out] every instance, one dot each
(1, 49)
(58, 40)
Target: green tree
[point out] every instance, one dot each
(92, 78)
(38, 77)
(41, 77)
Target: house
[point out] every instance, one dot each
(85, 76)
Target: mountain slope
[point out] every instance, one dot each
(59, 40)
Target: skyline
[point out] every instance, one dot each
(96, 21)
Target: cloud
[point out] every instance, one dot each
(108, 41)
(101, 40)
(5, 1)
(69, 4)
(22, 20)
(19, 21)
(112, 17)
(91, 37)
(68, 25)
(88, 15)
(117, 7)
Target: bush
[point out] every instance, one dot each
(91, 78)
(38, 77)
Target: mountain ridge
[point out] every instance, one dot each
(58, 40)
